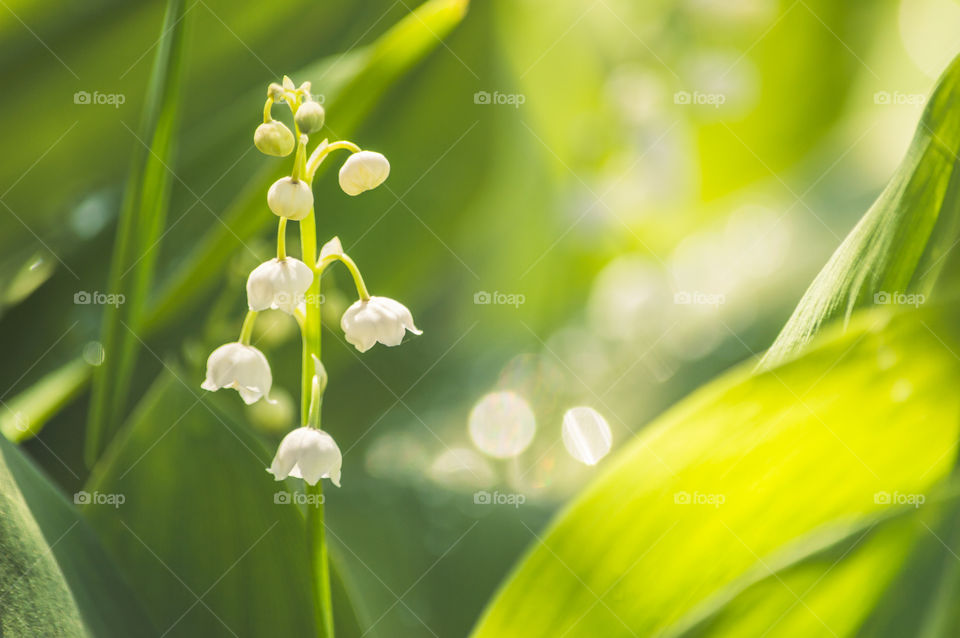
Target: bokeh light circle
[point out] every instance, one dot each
(586, 435)
(502, 424)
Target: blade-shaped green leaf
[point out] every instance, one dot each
(25, 414)
(743, 472)
(140, 225)
(201, 534)
(55, 577)
(902, 243)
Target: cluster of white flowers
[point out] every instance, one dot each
(282, 283)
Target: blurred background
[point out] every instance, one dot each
(596, 204)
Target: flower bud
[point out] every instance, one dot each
(310, 117)
(363, 171)
(274, 138)
(290, 198)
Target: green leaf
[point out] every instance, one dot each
(139, 229)
(25, 414)
(901, 244)
(747, 472)
(200, 521)
(55, 578)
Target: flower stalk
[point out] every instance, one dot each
(293, 286)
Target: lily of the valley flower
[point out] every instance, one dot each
(363, 171)
(309, 454)
(377, 319)
(241, 367)
(290, 198)
(279, 284)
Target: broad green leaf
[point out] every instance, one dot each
(200, 521)
(139, 229)
(902, 243)
(55, 578)
(751, 468)
(795, 596)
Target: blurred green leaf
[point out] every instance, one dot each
(139, 229)
(55, 578)
(25, 414)
(201, 535)
(748, 470)
(901, 244)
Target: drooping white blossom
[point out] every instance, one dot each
(377, 319)
(279, 284)
(240, 367)
(363, 171)
(290, 198)
(307, 453)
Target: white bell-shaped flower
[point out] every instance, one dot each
(241, 367)
(364, 170)
(377, 319)
(309, 454)
(290, 198)
(279, 284)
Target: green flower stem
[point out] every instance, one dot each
(319, 562)
(267, 115)
(316, 533)
(246, 332)
(282, 239)
(352, 267)
(321, 152)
